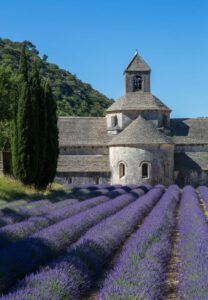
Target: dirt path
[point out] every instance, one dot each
(172, 275)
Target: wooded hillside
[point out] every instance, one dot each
(73, 96)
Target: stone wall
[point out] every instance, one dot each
(129, 80)
(191, 177)
(191, 148)
(159, 158)
(87, 150)
(82, 178)
(158, 118)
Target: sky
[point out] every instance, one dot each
(96, 39)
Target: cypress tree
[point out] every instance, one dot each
(23, 146)
(23, 170)
(38, 127)
(23, 67)
(22, 78)
(52, 147)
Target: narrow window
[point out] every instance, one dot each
(166, 168)
(145, 170)
(121, 170)
(137, 83)
(97, 180)
(69, 180)
(114, 121)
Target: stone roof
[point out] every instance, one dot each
(137, 64)
(137, 101)
(140, 131)
(189, 131)
(82, 131)
(83, 163)
(191, 161)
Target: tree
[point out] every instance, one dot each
(39, 126)
(23, 163)
(52, 147)
(21, 81)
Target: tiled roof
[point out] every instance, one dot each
(140, 131)
(83, 163)
(189, 131)
(136, 101)
(82, 131)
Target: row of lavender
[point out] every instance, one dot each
(139, 271)
(15, 213)
(38, 249)
(193, 246)
(84, 260)
(21, 230)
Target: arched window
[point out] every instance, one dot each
(145, 170)
(122, 170)
(137, 83)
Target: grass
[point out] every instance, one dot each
(11, 190)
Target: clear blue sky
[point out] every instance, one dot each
(95, 39)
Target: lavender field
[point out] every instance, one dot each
(107, 243)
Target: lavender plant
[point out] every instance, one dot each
(25, 256)
(75, 272)
(192, 248)
(23, 213)
(139, 272)
(203, 192)
(14, 232)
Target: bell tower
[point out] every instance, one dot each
(137, 75)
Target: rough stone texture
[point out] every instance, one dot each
(137, 101)
(79, 178)
(140, 131)
(133, 157)
(129, 77)
(83, 163)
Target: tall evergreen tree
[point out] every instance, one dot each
(23, 154)
(21, 79)
(38, 145)
(52, 147)
(23, 170)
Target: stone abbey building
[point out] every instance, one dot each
(135, 142)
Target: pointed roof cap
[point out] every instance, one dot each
(140, 131)
(137, 64)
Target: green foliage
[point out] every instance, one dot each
(34, 129)
(73, 97)
(52, 147)
(11, 189)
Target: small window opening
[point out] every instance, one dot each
(137, 83)
(69, 180)
(114, 121)
(145, 170)
(121, 170)
(166, 168)
(97, 180)
(165, 121)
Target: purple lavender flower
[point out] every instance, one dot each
(86, 258)
(192, 248)
(140, 269)
(203, 192)
(25, 256)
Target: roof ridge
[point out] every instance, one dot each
(140, 131)
(137, 58)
